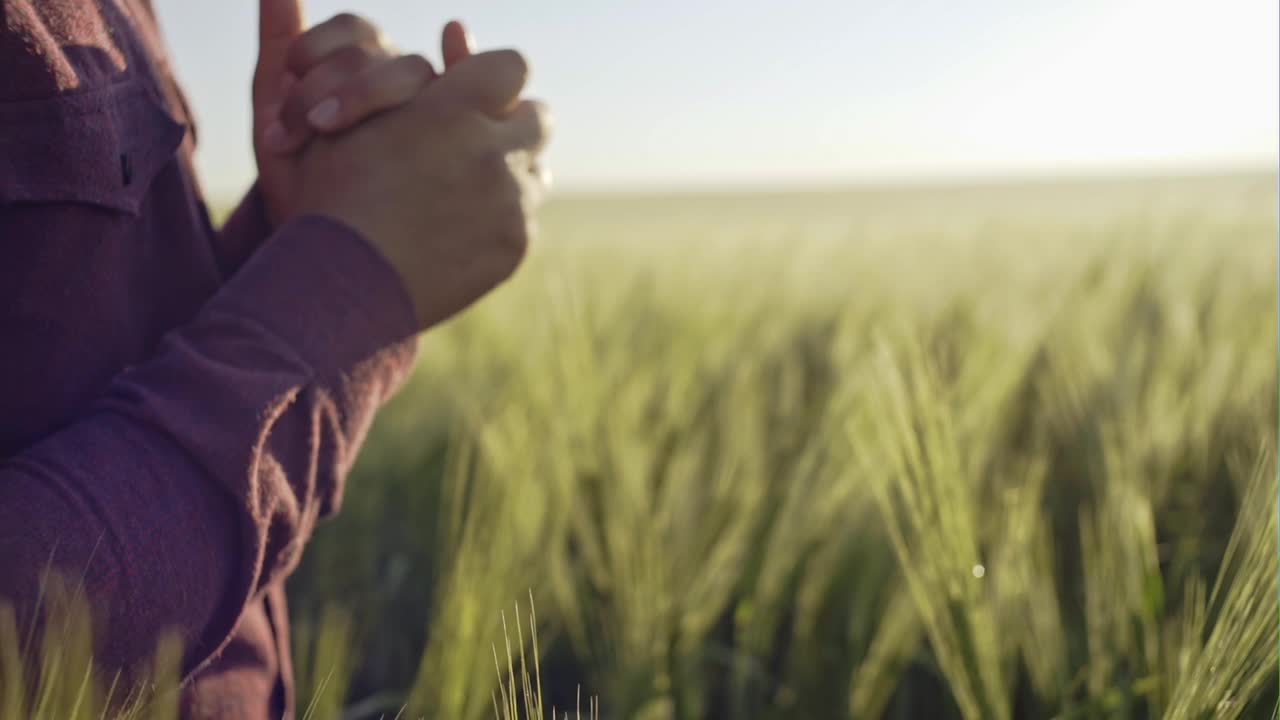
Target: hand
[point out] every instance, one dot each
(349, 73)
(442, 186)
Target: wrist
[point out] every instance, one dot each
(329, 295)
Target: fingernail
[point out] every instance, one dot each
(324, 115)
(275, 137)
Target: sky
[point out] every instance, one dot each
(675, 94)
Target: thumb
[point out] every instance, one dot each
(456, 43)
(280, 22)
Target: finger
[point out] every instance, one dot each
(312, 90)
(527, 128)
(489, 82)
(340, 31)
(456, 43)
(382, 87)
(280, 22)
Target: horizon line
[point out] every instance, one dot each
(1031, 176)
(904, 181)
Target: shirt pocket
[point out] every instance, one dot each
(102, 146)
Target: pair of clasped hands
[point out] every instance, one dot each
(437, 170)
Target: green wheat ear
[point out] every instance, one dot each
(1239, 654)
(54, 676)
(519, 695)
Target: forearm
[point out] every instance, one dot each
(196, 478)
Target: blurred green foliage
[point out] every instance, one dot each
(972, 453)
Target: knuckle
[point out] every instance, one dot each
(386, 85)
(352, 58)
(516, 66)
(335, 75)
(415, 65)
(341, 30)
(348, 22)
(515, 63)
(468, 127)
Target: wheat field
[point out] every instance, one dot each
(983, 451)
(980, 452)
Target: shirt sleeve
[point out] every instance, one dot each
(195, 480)
(245, 230)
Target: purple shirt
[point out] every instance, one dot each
(178, 406)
